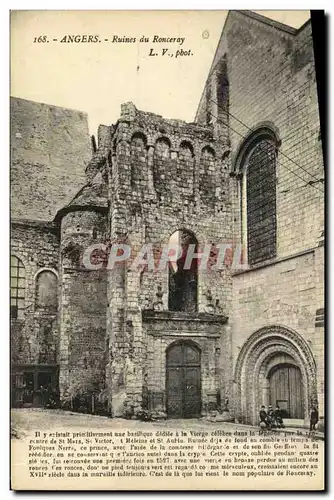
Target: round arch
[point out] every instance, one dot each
(46, 288)
(163, 139)
(138, 134)
(42, 269)
(264, 349)
(18, 256)
(185, 144)
(189, 342)
(263, 131)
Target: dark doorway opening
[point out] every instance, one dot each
(183, 381)
(286, 390)
(34, 385)
(183, 274)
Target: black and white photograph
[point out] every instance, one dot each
(167, 250)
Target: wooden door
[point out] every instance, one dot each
(183, 381)
(286, 390)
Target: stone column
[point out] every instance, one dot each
(115, 370)
(319, 330)
(265, 393)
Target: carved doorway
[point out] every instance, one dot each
(183, 381)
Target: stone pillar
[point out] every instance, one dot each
(150, 153)
(319, 330)
(63, 357)
(265, 393)
(115, 370)
(135, 358)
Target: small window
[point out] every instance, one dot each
(47, 290)
(17, 288)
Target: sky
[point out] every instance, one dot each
(97, 77)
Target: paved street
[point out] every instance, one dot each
(29, 419)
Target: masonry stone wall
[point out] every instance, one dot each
(50, 149)
(150, 177)
(282, 295)
(279, 90)
(166, 176)
(205, 331)
(34, 338)
(318, 344)
(83, 307)
(272, 83)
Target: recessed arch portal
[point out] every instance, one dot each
(271, 350)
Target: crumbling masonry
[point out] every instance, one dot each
(176, 344)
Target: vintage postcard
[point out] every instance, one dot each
(167, 251)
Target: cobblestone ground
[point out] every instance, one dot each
(29, 419)
(25, 420)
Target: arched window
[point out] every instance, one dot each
(162, 148)
(185, 168)
(207, 173)
(162, 165)
(183, 278)
(47, 290)
(17, 287)
(223, 91)
(138, 158)
(258, 196)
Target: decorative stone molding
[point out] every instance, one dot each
(151, 315)
(254, 355)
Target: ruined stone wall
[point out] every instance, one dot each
(34, 337)
(82, 308)
(166, 176)
(50, 149)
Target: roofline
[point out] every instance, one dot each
(303, 26)
(270, 22)
(275, 24)
(73, 110)
(262, 19)
(79, 208)
(39, 224)
(211, 67)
